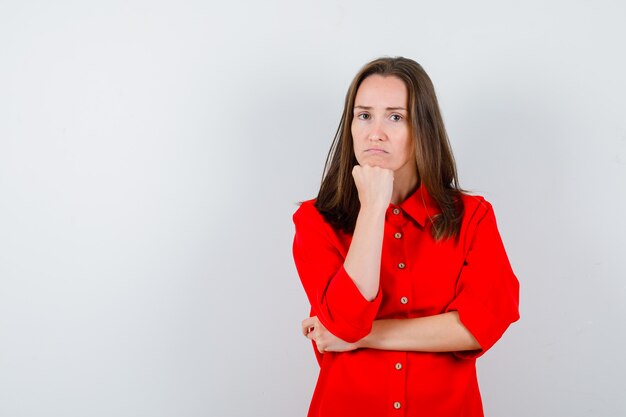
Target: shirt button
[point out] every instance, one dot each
(397, 405)
(398, 235)
(401, 265)
(398, 366)
(396, 211)
(404, 300)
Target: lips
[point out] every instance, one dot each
(375, 151)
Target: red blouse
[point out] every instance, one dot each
(419, 277)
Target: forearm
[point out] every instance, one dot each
(362, 261)
(439, 333)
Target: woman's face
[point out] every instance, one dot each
(381, 128)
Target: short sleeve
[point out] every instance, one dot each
(333, 295)
(487, 291)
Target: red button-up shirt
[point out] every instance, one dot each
(419, 277)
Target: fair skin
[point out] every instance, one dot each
(386, 173)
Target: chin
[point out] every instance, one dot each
(375, 162)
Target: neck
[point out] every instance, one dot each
(404, 186)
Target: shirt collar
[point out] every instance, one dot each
(420, 206)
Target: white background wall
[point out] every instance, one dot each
(152, 152)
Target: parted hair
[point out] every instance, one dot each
(338, 199)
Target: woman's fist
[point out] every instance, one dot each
(325, 341)
(374, 185)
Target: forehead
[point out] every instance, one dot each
(381, 91)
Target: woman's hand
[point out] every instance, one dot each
(374, 185)
(325, 341)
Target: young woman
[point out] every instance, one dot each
(407, 276)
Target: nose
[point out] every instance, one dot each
(377, 133)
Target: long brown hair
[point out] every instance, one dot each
(338, 200)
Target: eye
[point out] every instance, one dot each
(363, 116)
(396, 117)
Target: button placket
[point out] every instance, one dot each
(397, 266)
(397, 381)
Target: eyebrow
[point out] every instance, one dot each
(388, 108)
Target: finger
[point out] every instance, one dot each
(306, 324)
(308, 330)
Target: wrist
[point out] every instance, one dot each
(365, 342)
(373, 210)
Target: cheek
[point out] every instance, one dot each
(354, 130)
(409, 147)
(357, 136)
(357, 145)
